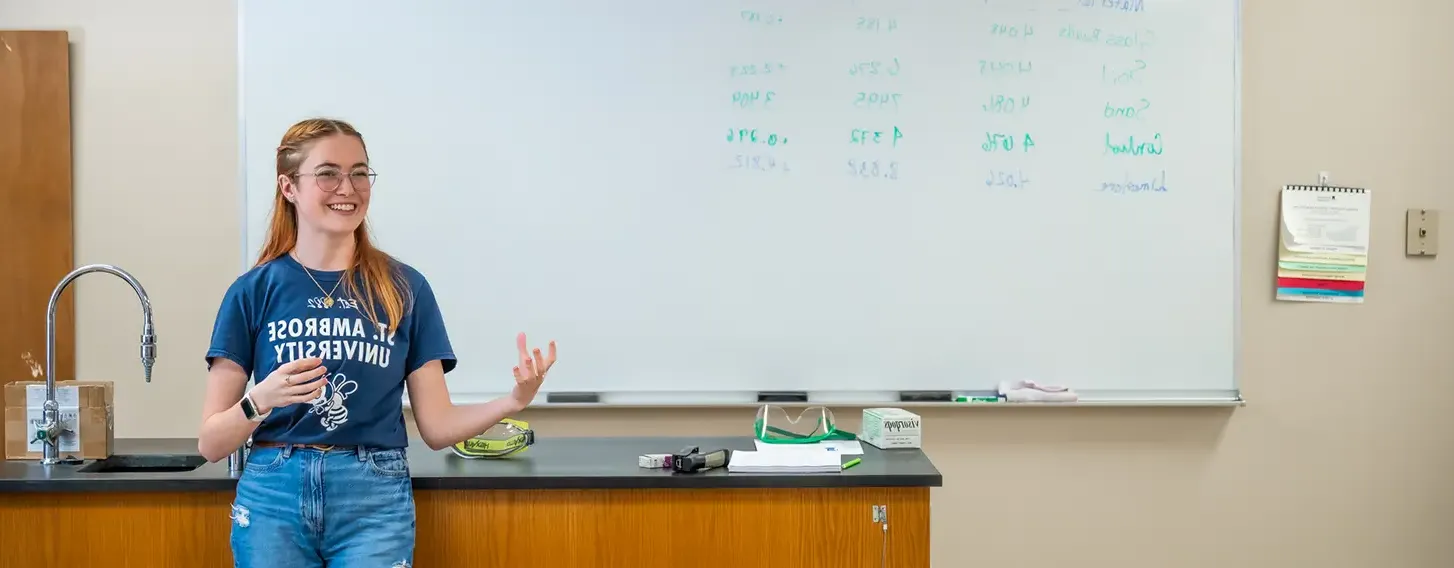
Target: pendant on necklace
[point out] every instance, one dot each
(328, 301)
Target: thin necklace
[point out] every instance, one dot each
(330, 393)
(327, 295)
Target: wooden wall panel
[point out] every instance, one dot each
(36, 239)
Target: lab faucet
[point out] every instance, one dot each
(49, 427)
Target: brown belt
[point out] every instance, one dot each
(320, 447)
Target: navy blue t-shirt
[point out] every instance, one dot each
(275, 313)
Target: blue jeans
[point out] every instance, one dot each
(343, 508)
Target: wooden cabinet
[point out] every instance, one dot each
(528, 528)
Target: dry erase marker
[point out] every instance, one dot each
(979, 399)
(852, 463)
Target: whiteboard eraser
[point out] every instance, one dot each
(654, 461)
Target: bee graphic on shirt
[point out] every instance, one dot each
(330, 404)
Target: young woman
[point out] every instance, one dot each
(331, 330)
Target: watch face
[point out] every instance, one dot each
(247, 408)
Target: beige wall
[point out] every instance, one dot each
(1343, 459)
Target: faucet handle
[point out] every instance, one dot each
(45, 432)
(49, 430)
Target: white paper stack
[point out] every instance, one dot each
(845, 447)
(786, 461)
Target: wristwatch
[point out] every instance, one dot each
(249, 409)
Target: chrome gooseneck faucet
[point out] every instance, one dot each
(49, 427)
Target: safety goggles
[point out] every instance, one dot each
(507, 438)
(776, 425)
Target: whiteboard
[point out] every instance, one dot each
(702, 200)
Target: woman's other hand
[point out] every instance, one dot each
(530, 371)
(293, 382)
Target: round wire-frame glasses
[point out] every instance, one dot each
(330, 181)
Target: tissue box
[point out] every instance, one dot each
(85, 411)
(888, 428)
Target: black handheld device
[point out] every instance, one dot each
(691, 459)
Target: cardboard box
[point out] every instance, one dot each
(888, 428)
(86, 412)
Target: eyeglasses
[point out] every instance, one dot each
(331, 180)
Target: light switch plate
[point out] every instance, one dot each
(1422, 238)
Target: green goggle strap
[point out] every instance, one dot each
(790, 437)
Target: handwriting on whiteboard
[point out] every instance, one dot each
(1024, 43)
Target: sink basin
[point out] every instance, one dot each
(144, 464)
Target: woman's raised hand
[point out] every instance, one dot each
(530, 370)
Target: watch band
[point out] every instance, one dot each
(249, 409)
